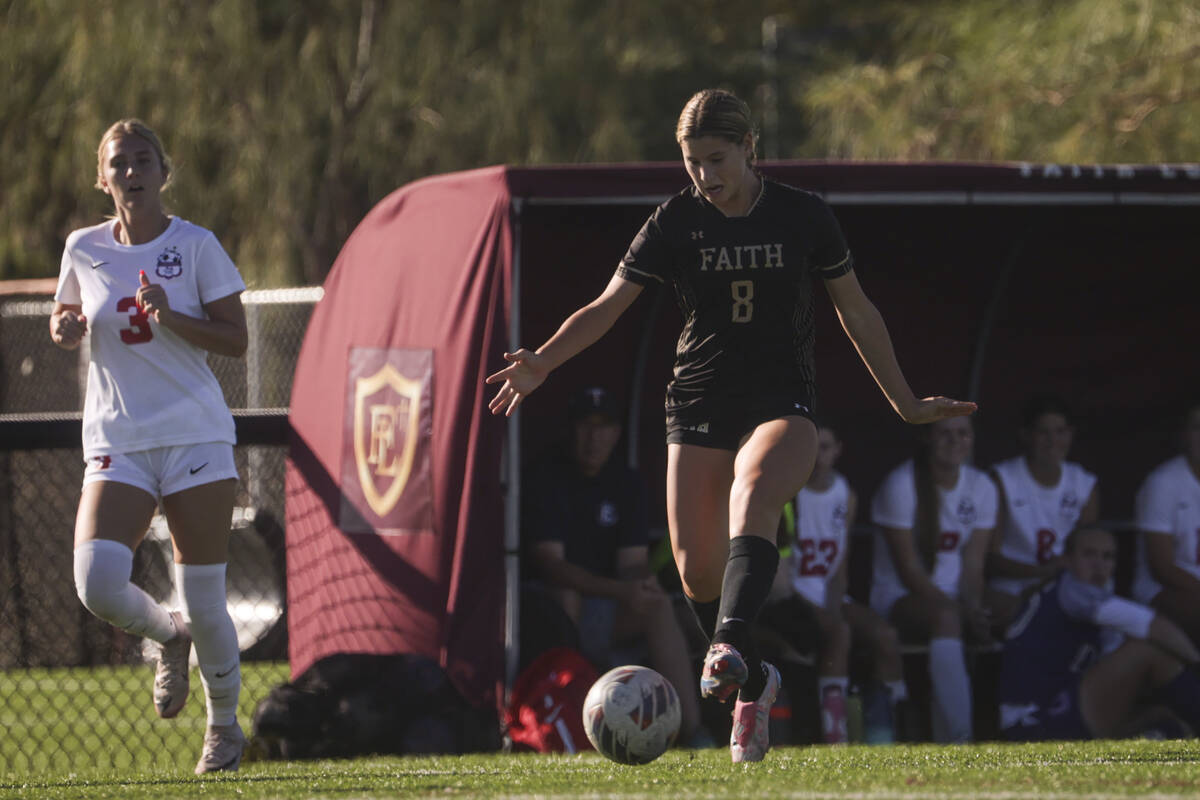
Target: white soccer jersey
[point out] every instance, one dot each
(1039, 517)
(1168, 502)
(146, 386)
(969, 506)
(821, 538)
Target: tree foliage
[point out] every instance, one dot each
(1088, 81)
(289, 119)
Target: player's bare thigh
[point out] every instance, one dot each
(698, 481)
(115, 511)
(1109, 689)
(200, 519)
(773, 463)
(1180, 608)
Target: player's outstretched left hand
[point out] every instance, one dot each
(931, 409)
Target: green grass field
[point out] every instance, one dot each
(57, 743)
(1094, 770)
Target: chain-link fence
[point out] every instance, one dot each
(75, 691)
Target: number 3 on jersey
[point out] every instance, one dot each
(743, 294)
(139, 324)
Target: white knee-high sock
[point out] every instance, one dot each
(102, 571)
(202, 595)
(951, 688)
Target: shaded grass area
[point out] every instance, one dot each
(1067, 770)
(59, 721)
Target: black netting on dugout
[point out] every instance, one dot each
(74, 691)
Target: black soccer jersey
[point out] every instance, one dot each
(743, 286)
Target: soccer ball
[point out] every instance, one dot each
(631, 714)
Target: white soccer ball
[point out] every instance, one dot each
(631, 714)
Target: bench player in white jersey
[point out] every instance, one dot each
(936, 514)
(1042, 499)
(155, 294)
(1167, 570)
(810, 591)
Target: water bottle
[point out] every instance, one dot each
(878, 727)
(854, 714)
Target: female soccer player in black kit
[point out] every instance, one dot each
(740, 251)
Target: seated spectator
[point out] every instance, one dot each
(1054, 681)
(1042, 498)
(810, 593)
(936, 514)
(585, 520)
(1167, 570)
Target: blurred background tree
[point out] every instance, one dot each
(289, 119)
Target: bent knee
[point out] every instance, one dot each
(947, 621)
(102, 570)
(887, 640)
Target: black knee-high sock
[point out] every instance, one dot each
(706, 615)
(749, 574)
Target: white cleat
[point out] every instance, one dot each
(171, 674)
(223, 748)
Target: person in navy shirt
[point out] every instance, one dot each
(1061, 677)
(586, 529)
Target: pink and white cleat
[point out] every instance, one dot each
(724, 672)
(749, 739)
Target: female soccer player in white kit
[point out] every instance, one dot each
(1043, 497)
(936, 514)
(1167, 570)
(156, 294)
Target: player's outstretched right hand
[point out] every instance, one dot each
(525, 372)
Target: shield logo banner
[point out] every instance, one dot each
(387, 408)
(386, 461)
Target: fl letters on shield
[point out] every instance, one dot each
(388, 426)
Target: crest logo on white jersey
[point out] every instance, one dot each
(170, 263)
(1069, 507)
(966, 512)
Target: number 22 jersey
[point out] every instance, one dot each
(147, 387)
(743, 285)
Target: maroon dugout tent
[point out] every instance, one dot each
(996, 281)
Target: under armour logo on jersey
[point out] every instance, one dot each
(697, 235)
